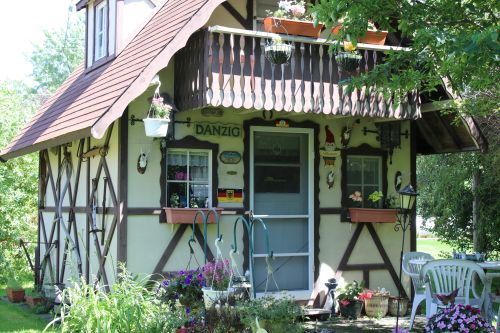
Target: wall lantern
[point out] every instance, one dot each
(389, 134)
(407, 200)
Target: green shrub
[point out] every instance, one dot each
(129, 307)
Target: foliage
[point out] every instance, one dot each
(446, 199)
(18, 181)
(14, 284)
(223, 319)
(351, 292)
(458, 318)
(272, 309)
(55, 58)
(290, 9)
(217, 274)
(129, 307)
(185, 287)
(456, 40)
(159, 109)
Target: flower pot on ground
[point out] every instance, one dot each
(15, 291)
(393, 306)
(377, 304)
(186, 215)
(278, 52)
(351, 309)
(34, 300)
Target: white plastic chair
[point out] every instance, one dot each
(492, 299)
(445, 276)
(413, 271)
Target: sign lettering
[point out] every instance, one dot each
(212, 129)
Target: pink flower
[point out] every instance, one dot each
(344, 302)
(297, 10)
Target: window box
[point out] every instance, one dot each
(186, 215)
(374, 37)
(373, 215)
(292, 27)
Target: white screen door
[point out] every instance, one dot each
(281, 194)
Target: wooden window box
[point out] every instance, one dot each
(373, 215)
(186, 215)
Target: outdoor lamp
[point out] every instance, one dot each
(407, 198)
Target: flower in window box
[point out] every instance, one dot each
(357, 198)
(291, 19)
(375, 198)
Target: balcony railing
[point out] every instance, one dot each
(227, 67)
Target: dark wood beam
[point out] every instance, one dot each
(449, 130)
(429, 135)
(169, 249)
(123, 188)
(236, 14)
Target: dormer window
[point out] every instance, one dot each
(101, 30)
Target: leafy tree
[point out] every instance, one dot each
(452, 39)
(60, 52)
(447, 193)
(18, 181)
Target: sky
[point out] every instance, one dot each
(21, 25)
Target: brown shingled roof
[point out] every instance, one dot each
(87, 103)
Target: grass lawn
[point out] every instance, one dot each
(17, 319)
(434, 247)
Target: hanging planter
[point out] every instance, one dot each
(348, 61)
(277, 52)
(158, 119)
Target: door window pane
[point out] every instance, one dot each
(290, 273)
(286, 236)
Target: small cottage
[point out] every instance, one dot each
(284, 142)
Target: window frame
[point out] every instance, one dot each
(362, 150)
(105, 31)
(362, 183)
(188, 142)
(187, 181)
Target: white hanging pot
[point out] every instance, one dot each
(211, 296)
(156, 127)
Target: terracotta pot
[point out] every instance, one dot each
(292, 27)
(186, 215)
(375, 37)
(373, 215)
(33, 301)
(351, 310)
(15, 295)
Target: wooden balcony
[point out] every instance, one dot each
(227, 67)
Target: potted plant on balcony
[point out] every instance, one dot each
(351, 299)
(278, 52)
(374, 214)
(349, 59)
(373, 35)
(15, 291)
(158, 119)
(291, 18)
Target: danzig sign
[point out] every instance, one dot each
(217, 129)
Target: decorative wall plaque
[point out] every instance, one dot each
(230, 157)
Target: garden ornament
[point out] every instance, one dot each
(259, 330)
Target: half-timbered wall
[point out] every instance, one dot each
(67, 174)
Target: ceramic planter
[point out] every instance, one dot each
(186, 215)
(377, 306)
(375, 37)
(351, 310)
(211, 296)
(373, 215)
(278, 53)
(393, 306)
(15, 295)
(156, 127)
(292, 27)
